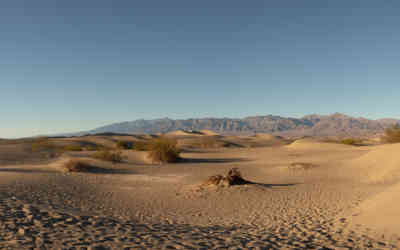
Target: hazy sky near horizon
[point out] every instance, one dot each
(76, 65)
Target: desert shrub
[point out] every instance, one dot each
(44, 145)
(208, 142)
(302, 166)
(92, 148)
(108, 155)
(140, 146)
(164, 150)
(234, 177)
(73, 148)
(215, 180)
(392, 135)
(350, 141)
(124, 145)
(77, 166)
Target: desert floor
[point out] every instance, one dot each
(304, 195)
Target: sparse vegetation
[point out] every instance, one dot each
(164, 150)
(92, 147)
(234, 177)
(78, 166)
(392, 135)
(108, 155)
(75, 148)
(302, 166)
(208, 142)
(140, 146)
(43, 144)
(124, 145)
(350, 141)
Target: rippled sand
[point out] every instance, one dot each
(164, 206)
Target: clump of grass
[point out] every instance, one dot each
(392, 135)
(108, 155)
(124, 145)
(45, 147)
(350, 141)
(140, 146)
(208, 142)
(164, 150)
(302, 166)
(43, 144)
(92, 147)
(78, 166)
(75, 148)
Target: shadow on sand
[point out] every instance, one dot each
(213, 160)
(88, 170)
(27, 171)
(273, 185)
(100, 170)
(242, 181)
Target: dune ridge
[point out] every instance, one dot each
(312, 144)
(381, 164)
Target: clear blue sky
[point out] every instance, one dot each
(76, 65)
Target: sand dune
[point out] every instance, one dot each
(184, 133)
(381, 164)
(152, 206)
(137, 157)
(381, 212)
(208, 132)
(267, 136)
(312, 144)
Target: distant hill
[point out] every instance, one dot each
(311, 125)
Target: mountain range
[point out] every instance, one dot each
(311, 125)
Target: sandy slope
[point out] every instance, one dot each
(380, 165)
(208, 132)
(380, 212)
(312, 144)
(154, 206)
(266, 136)
(184, 133)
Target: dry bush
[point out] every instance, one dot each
(78, 166)
(208, 142)
(124, 145)
(392, 135)
(92, 147)
(43, 144)
(214, 180)
(350, 141)
(302, 166)
(45, 147)
(234, 177)
(108, 155)
(164, 150)
(140, 146)
(75, 148)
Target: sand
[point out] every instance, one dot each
(184, 133)
(380, 165)
(266, 136)
(140, 205)
(208, 132)
(380, 212)
(312, 144)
